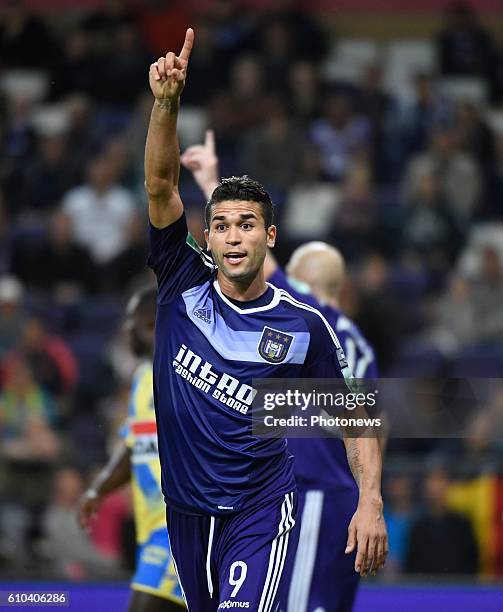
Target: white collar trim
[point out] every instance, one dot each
(272, 304)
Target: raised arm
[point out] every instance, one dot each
(162, 156)
(202, 161)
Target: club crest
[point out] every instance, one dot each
(274, 345)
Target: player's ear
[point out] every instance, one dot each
(271, 236)
(207, 237)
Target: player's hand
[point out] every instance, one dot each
(87, 508)
(202, 161)
(367, 533)
(167, 75)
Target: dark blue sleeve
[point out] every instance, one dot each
(177, 260)
(279, 279)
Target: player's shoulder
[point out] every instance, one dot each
(314, 318)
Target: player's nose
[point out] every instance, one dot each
(233, 236)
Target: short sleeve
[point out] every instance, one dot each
(325, 357)
(298, 290)
(177, 260)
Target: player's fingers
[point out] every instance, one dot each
(169, 62)
(361, 555)
(371, 559)
(380, 556)
(161, 67)
(178, 63)
(154, 71)
(178, 75)
(209, 141)
(351, 543)
(187, 46)
(193, 151)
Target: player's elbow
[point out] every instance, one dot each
(159, 189)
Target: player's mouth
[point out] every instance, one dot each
(234, 258)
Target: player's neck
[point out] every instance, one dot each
(242, 290)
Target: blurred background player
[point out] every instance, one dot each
(155, 586)
(328, 493)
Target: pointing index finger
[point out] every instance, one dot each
(209, 141)
(187, 45)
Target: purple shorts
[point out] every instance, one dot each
(324, 577)
(236, 562)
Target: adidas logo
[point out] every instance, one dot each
(204, 314)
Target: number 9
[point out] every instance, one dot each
(237, 584)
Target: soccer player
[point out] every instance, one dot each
(328, 493)
(154, 586)
(231, 498)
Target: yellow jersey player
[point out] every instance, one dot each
(155, 587)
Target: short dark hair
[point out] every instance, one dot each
(241, 188)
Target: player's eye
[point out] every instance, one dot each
(247, 226)
(220, 227)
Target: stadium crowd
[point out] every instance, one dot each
(406, 181)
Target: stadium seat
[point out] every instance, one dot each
(465, 89)
(348, 59)
(31, 84)
(404, 59)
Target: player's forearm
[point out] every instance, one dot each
(115, 474)
(162, 153)
(365, 460)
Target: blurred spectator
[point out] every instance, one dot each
(310, 39)
(305, 92)
(5, 239)
(380, 315)
(129, 264)
(457, 171)
(441, 541)
(12, 313)
(464, 46)
(50, 359)
(277, 49)
(416, 119)
(355, 222)
(17, 145)
(69, 549)
(376, 104)
(81, 136)
(24, 39)
(56, 266)
(430, 227)
(123, 68)
(160, 22)
(271, 153)
(205, 79)
(77, 69)
(25, 412)
(311, 203)
(399, 514)
(452, 327)
(51, 173)
(340, 136)
(486, 298)
(231, 27)
(100, 211)
(103, 23)
(475, 135)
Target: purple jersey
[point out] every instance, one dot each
(208, 349)
(322, 463)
